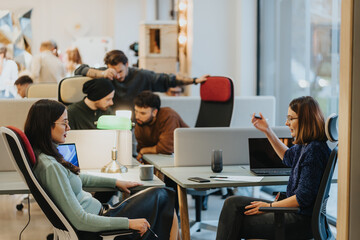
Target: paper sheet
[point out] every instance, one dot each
(239, 178)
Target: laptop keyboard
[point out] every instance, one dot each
(273, 172)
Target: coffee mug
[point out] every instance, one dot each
(146, 172)
(216, 160)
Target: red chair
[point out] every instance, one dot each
(23, 157)
(217, 101)
(216, 108)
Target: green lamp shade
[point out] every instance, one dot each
(111, 122)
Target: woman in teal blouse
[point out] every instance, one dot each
(46, 126)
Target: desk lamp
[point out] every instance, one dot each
(122, 125)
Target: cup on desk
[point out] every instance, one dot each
(216, 160)
(146, 172)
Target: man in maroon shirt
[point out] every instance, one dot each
(154, 130)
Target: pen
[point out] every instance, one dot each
(218, 177)
(153, 232)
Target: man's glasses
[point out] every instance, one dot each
(64, 123)
(290, 118)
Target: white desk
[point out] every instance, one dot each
(180, 175)
(12, 183)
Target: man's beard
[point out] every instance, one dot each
(147, 122)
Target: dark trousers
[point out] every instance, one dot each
(234, 224)
(154, 204)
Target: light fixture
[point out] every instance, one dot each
(122, 125)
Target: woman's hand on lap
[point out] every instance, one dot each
(254, 207)
(125, 185)
(140, 224)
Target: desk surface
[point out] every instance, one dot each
(12, 183)
(159, 160)
(181, 174)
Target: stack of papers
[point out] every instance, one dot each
(238, 178)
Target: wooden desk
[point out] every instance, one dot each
(180, 175)
(12, 183)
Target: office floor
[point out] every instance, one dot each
(13, 221)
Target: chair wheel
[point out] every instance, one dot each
(19, 207)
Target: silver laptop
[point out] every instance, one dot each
(263, 159)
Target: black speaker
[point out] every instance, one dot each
(216, 161)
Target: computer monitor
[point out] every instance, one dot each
(68, 151)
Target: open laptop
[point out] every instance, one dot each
(263, 159)
(68, 151)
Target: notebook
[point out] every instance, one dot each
(68, 151)
(263, 159)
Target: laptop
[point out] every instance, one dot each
(68, 151)
(263, 159)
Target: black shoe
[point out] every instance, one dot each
(50, 236)
(230, 192)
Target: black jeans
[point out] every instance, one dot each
(234, 224)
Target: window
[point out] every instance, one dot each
(298, 55)
(298, 47)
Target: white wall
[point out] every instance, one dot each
(222, 41)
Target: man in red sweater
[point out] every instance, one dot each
(154, 130)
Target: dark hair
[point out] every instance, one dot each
(311, 123)
(23, 80)
(148, 99)
(115, 57)
(40, 120)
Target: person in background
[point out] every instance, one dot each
(46, 126)
(240, 216)
(8, 75)
(46, 67)
(175, 91)
(22, 84)
(99, 98)
(154, 130)
(73, 61)
(129, 82)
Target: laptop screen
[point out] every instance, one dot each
(262, 155)
(68, 151)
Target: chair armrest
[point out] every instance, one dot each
(115, 233)
(279, 209)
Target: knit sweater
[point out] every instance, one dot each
(160, 132)
(65, 189)
(308, 163)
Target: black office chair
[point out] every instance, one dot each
(22, 155)
(319, 222)
(216, 108)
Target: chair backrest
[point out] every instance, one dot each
(217, 100)
(23, 158)
(70, 89)
(42, 90)
(320, 225)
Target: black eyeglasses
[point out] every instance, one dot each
(290, 118)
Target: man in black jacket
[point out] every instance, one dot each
(129, 82)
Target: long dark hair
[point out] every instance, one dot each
(310, 118)
(40, 120)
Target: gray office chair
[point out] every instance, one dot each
(319, 220)
(23, 157)
(70, 89)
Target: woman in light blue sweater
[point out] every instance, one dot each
(46, 126)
